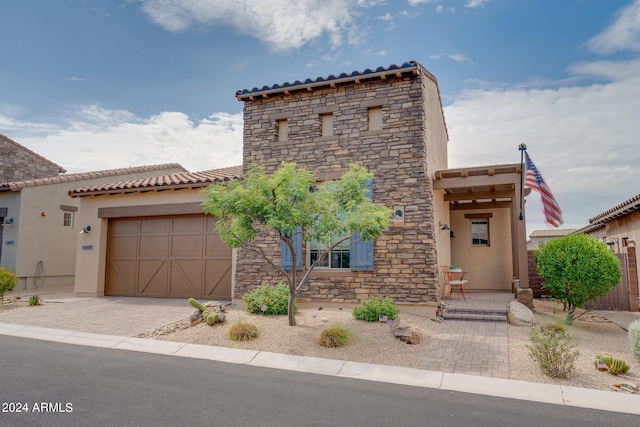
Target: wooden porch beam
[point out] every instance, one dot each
(476, 181)
(480, 195)
(485, 205)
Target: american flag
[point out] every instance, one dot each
(534, 181)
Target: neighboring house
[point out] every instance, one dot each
(619, 227)
(539, 237)
(150, 237)
(18, 163)
(40, 223)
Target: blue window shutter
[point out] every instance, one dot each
(286, 259)
(362, 251)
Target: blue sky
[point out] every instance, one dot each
(101, 84)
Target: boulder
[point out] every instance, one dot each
(406, 335)
(520, 314)
(195, 318)
(525, 296)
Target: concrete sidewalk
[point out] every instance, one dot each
(115, 322)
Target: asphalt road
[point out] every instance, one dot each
(69, 385)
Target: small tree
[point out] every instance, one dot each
(576, 270)
(292, 204)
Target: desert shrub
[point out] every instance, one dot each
(8, 281)
(268, 299)
(553, 352)
(552, 329)
(334, 336)
(34, 300)
(634, 338)
(242, 331)
(576, 270)
(372, 308)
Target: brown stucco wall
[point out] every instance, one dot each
(405, 257)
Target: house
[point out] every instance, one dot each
(150, 237)
(539, 237)
(391, 121)
(41, 226)
(18, 163)
(619, 228)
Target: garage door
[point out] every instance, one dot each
(174, 257)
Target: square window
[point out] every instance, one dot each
(480, 232)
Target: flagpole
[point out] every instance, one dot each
(522, 148)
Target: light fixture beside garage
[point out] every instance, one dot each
(86, 230)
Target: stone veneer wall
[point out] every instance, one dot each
(19, 164)
(405, 266)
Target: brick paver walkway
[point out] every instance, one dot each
(471, 347)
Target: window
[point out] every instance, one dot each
(354, 254)
(67, 219)
(326, 124)
(375, 118)
(480, 232)
(339, 257)
(282, 130)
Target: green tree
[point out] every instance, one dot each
(291, 203)
(576, 270)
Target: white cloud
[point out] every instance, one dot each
(474, 4)
(584, 139)
(106, 139)
(281, 24)
(623, 34)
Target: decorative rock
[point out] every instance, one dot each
(525, 297)
(195, 318)
(406, 335)
(520, 315)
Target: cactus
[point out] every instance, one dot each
(616, 366)
(196, 304)
(634, 338)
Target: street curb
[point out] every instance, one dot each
(497, 387)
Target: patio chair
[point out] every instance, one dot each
(453, 283)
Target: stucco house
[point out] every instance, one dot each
(619, 227)
(18, 163)
(390, 120)
(540, 237)
(41, 226)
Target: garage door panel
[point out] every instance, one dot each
(187, 246)
(214, 247)
(153, 277)
(122, 246)
(218, 279)
(186, 278)
(121, 275)
(124, 227)
(153, 246)
(155, 226)
(187, 225)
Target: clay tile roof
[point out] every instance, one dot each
(407, 68)
(19, 185)
(174, 181)
(552, 233)
(22, 147)
(624, 208)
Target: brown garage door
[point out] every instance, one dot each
(175, 257)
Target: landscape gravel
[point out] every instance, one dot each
(374, 342)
